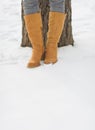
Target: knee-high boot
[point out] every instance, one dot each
(56, 24)
(33, 23)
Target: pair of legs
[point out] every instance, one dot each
(33, 23)
(32, 6)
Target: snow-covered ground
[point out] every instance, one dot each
(50, 97)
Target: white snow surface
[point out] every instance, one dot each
(49, 97)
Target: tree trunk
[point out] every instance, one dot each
(66, 36)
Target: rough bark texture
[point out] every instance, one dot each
(66, 36)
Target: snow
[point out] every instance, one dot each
(50, 97)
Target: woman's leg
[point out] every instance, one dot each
(57, 5)
(33, 23)
(56, 23)
(30, 6)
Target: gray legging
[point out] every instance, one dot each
(32, 6)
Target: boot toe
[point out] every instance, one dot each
(32, 65)
(50, 61)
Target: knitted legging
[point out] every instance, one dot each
(32, 6)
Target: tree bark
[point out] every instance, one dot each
(66, 36)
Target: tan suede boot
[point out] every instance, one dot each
(56, 24)
(33, 23)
